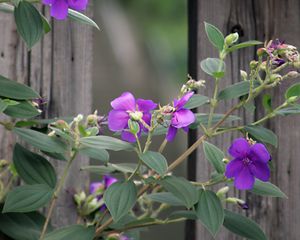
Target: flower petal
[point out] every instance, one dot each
(182, 118)
(239, 148)
(78, 5)
(258, 152)
(186, 129)
(145, 105)
(117, 120)
(260, 170)
(59, 9)
(128, 136)
(234, 167)
(95, 186)
(178, 104)
(244, 180)
(147, 119)
(171, 133)
(109, 180)
(48, 2)
(125, 102)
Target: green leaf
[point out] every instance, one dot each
(99, 154)
(120, 198)
(22, 110)
(236, 90)
(3, 105)
(213, 67)
(40, 140)
(14, 90)
(214, 35)
(57, 156)
(215, 156)
(46, 25)
(99, 169)
(81, 18)
(293, 91)
(243, 226)
(243, 45)
(22, 226)
(262, 134)
(27, 198)
(184, 213)
(267, 189)
(195, 101)
(33, 168)
(155, 161)
(267, 103)
(165, 197)
(202, 118)
(29, 23)
(7, 8)
(210, 211)
(74, 232)
(111, 168)
(182, 189)
(106, 142)
(295, 109)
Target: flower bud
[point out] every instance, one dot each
(79, 198)
(244, 75)
(253, 64)
(61, 124)
(136, 116)
(263, 65)
(3, 163)
(261, 51)
(292, 100)
(238, 201)
(275, 78)
(293, 74)
(133, 126)
(92, 119)
(222, 192)
(225, 160)
(231, 39)
(78, 118)
(113, 236)
(296, 64)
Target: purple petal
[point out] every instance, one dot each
(186, 129)
(171, 133)
(59, 9)
(109, 180)
(183, 100)
(128, 136)
(244, 180)
(145, 105)
(182, 118)
(234, 167)
(95, 186)
(147, 119)
(260, 170)
(117, 120)
(48, 2)
(239, 148)
(125, 102)
(78, 5)
(258, 152)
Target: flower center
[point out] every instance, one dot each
(247, 161)
(136, 116)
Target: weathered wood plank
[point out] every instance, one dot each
(260, 20)
(60, 69)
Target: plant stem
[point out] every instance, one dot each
(162, 146)
(56, 193)
(213, 103)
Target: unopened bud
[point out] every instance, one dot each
(244, 75)
(80, 198)
(222, 191)
(261, 51)
(253, 64)
(3, 163)
(78, 118)
(275, 78)
(61, 124)
(231, 39)
(113, 236)
(291, 100)
(92, 119)
(263, 65)
(134, 126)
(293, 74)
(225, 160)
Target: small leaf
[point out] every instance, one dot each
(214, 35)
(165, 197)
(3, 105)
(99, 169)
(267, 103)
(14, 90)
(155, 161)
(243, 45)
(22, 226)
(184, 213)
(243, 226)
(105, 142)
(33, 168)
(294, 109)
(195, 101)
(22, 110)
(262, 134)
(213, 67)
(120, 198)
(74, 232)
(267, 189)
(46, 25)
(293, 91)
(215, 156)
(29, 23)
(7, 8)
(27, 198)
(40, 140)
(99, 154)
(79, 17)
(236, 90)
(210, 211)
(182, 189)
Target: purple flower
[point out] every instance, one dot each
(59, 8)
(181, 117)
(126, 107)
(250, 162)
(243, 205)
